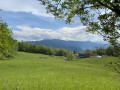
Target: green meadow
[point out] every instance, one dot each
(28, 71)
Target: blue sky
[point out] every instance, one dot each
(30, 22)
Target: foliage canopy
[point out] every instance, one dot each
(101, 16)
(8, 45)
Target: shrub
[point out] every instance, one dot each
(8, 45)
(70, 56)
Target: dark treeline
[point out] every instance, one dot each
(31, 48)
(109, 51)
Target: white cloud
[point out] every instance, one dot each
(26, 33)
(32, 6)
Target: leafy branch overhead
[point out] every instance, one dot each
(101, 16)
(69, 8)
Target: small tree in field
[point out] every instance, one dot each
(88, 51)
(70, 56)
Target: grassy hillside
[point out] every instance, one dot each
(41, 72)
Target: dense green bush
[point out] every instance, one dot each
(8, 45)
(70, 56)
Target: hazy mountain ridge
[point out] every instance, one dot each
(70, 45)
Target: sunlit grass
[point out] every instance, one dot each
(41, 72)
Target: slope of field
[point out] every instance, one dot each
(41, 72)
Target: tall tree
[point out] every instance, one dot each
(88, 51)
(101, 16)
(8, 45)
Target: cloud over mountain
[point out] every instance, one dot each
(27, 33)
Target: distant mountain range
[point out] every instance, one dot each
(70, 45)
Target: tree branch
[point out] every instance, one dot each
(114, 9)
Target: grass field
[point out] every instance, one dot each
(41, 72)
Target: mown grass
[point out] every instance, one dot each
(41, 72)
